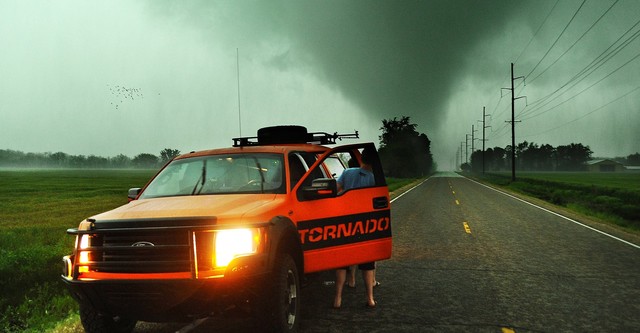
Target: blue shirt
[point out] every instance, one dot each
(356, 177)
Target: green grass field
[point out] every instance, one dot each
(36, 209)
(629, 181)
(611, 197)
(396, 183)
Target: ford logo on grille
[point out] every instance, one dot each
(140, 244)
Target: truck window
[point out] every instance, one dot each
(335, 165)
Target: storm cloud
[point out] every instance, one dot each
(329, 65)
(390, 58)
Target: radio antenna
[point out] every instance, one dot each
(238, 75)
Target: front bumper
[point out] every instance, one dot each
(160, 298)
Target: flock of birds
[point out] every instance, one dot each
(122, 94)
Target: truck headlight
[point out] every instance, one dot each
(232, 243)
(84, 244)
(84, 256)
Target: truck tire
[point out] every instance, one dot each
(94, 322)
(282, 301)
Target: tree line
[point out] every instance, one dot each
(533, 157)
(404, 153)
(18, 159)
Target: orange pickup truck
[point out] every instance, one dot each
(229, 227)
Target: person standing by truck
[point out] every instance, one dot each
(355, 178)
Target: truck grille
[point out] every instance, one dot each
(149, 251)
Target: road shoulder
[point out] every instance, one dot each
(591, 221)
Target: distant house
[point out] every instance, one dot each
(605, 166)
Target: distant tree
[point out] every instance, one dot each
(11, 157)
(404, 152)
(524, 155)
(508, 150)
(120, 161)
(494, 159)
(533, 157)
(476, 161)
(36, 160)
(59, 159)
(633, 159)
(77, 161)
(573, 157)
(544, 157)
(168, 154)
(96, 162)
(145, 161)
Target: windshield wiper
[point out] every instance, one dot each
(201, 180)
(261, 175)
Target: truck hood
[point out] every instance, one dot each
(222, 207)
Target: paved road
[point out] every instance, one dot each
(469, 259)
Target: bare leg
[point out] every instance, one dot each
(369, 278)
(351, 276)
(375, 280)
(341, 277)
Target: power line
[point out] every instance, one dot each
(576, 42)
(537, 31)
(500, 132)
(558, 38)
(498, 104)
(587, 88)
(497, 115)
(536, 108)
(586, 114)
(595, 64)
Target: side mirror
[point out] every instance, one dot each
(321, 188)
(133, 193)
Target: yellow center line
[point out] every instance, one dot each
(457, 202)
(507, 330)
(466, 227)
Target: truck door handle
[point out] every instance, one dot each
(380, 202)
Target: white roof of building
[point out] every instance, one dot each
(592, 162)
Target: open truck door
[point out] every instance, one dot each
(346, 228)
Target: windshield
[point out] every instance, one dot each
(219, 174)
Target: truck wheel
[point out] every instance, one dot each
(282, 302)
(93, 322)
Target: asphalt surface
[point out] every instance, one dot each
(469, 259)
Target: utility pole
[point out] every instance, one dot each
(513, 129)
(461, 145)
(472, 142)
(238, 75)
(484, 116)
(466, 148)
(513, 124)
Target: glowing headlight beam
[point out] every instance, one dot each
(232, 243)
(84, 242)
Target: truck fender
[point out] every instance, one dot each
(283, 237)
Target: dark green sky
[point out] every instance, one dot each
(97, 77)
